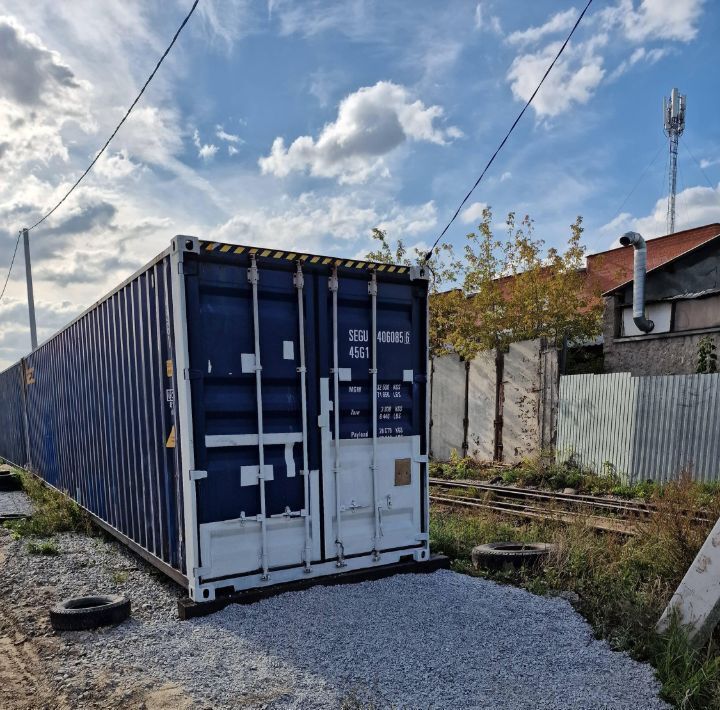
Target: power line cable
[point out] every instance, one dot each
(512, 128)
(702, 170)
(639, 180)
(12, 261)
(124, 118)
(107, 142)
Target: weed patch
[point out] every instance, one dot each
(42, 548)
(53, 512)
(119, 576)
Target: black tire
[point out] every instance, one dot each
(500, 555)
(9, 481)
(83, 613)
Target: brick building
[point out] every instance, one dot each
(682, 298)
(615, 266)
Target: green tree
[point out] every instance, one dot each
(504, 290)
(443, 267)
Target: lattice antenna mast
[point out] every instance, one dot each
(674, 115)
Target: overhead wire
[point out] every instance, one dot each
(509, 133)
(700, 167)
(639, 180)
(12, 261)
(124, 118)
(112, 135)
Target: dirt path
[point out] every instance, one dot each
(37, 665)
(24, 660)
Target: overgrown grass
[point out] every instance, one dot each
(623, 583)
(53, 512)
(48, 547)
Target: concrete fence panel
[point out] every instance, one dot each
(482, 391)
(490, 420)
(521, 401)
(449, 382)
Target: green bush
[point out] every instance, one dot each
(456, 468)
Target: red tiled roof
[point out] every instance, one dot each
(615, 266)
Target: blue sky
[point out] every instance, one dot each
(305, 124)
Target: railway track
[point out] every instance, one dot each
(595, 511)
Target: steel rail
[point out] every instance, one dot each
(635, 507)
(598, 522)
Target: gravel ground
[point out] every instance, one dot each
(14, 502)
(442, 640)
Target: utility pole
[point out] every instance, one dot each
(31, 299)
(674, 119)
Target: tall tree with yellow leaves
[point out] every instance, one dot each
(504, 290)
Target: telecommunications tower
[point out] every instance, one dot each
(674, 115)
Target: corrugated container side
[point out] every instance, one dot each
(154, 412)
(101, 414)
(12, 418)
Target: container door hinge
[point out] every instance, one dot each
(422, 537)
(197, 475)
(190, 374)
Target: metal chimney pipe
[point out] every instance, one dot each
(639, 269)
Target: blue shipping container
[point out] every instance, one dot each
(239, 416)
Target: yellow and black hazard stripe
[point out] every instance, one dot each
(309, 258)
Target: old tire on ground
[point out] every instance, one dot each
(82, 613)
(499, 555)
(9, 481)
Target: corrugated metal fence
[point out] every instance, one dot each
(646, 428)
(12, 426)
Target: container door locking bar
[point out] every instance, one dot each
(253, 278)
(302, 370)
(372, 290)
(333, 286)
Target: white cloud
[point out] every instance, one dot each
(206, 151)
(223, 135)
(639, 55)
(695, 206)
(572, 81)
(473, 214)
(370, 124)
(409, 221)
(311, 221)
(656, 19)
(31, 74)
(560, 22)
(232, 150)
(507, 175)
(115, 166)
(578, 73)
(483, 21)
